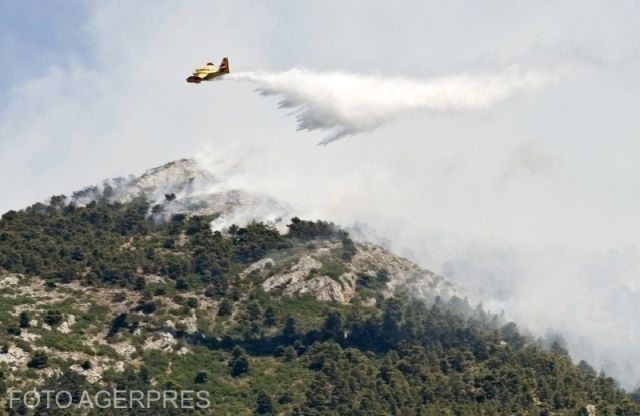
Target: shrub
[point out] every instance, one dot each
(39, 360)
(225, 308)
(14, 330)
(24, 320)
(53, 317)
(239, 366)
(201, 378)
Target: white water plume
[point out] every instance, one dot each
(347, 103)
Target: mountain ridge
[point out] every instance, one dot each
(108, 288)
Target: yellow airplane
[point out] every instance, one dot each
(209, 72)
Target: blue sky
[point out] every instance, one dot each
(36, 34)
(534, 198)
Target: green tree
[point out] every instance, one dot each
(225, 308)
(264, 404)
(289, 331)
(239, 363)
(39, 360)
(270, 316)
(24, 320)
(53, 317)
(201, 378)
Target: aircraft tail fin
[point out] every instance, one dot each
(224, 65)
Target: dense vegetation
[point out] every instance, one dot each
(268, 354)
(116, 244)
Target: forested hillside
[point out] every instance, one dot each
(110, 295)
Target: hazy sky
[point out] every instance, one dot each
(531, 202)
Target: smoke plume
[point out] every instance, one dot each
(345, 103)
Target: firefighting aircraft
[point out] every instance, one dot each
(209, 72)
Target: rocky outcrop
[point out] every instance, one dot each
(305, 276)
(163, 341)
(324, 288)
(260, 265)
(15, 357)
(370, 259)
(296, 274)
(89, 374)
(65, 326)
(300, 279)
(124, 349)
(183, 186)
(10, 280)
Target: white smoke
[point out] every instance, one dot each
(547, 279)
(346, 103)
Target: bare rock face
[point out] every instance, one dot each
(299, 279)
(183, 186)
(124, 349)
(297, 274)
(65, 326)
(10, 280)
(91, 375)
(323, 288)
(190, 323)
(305, 275)
(164, 341)
(15, 357)
(401, 272)
(260, 265)
(181, 176)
